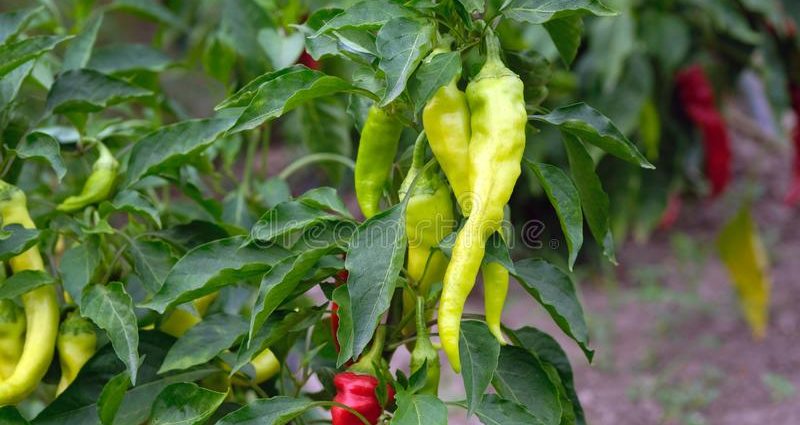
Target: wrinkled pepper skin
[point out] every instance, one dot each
(40, 304)
(498, 120)
(446, 119)
(376, 151)
(98, 186)
(76, 343)
(424, 352)
(357, 391)
(12, 337)
(495, 290)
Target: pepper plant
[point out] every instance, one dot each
(198, 280)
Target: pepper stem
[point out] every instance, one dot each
(422, 324)
(366, 364)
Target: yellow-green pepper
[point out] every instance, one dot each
(76, 343)
(98, 186)
(376, 151)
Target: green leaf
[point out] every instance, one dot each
(12, 23)
(401, 44)
(132, 202)
(78, 266)
(554, 290)
(79, 50)
(594, 199)
(565, 199)
(78, 404)
(541, 11)
(192, 234)
(374, 265)
(86, 90)
(591, 126)
(111, 308)
(277, 327)
(417, 409)
(11, 83)
(325, 198)
(42, 146)
(173, 145)
(184, 403)
(268, 411)
(666, 36)
(152, 261)
(204, 341)
(479, 352)
(282, 49)
(566, 35)
(273, 94)
(287, 218)
(433, 73)
(549, 351)
(111, 398)
(369, 14)
(521, 378)
(23, 282)
(151, 9)
(129, 57)
(743, 254)
(16, 240)
(344, 335)
(17, 53)
(494, 410)
(9, 415)
(208, 267)
(472, 6)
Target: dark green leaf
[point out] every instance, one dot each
(479, 351)
(86, 90)
(565, 199)
(417, 409)
(42, 146)
(472, 6)
(433, 73)
(549, 351)
(184, 403)
(666, 36)
(111, 308)
(80, 49)
(555, 291)
(272, 95)
(324, 127)
(208, 267)
(366, 14)
(133, 202)
(277, 327)
(494, 410)
(11, 23)
(204, 341)
(288, 217)
(325, 198)
(593, 127)
(269, 411)
(541, 11)
(17, 53)
(521, 378)
(23, 282)
(374, 264)
(401, 44)
(173, 145)
(594, 199)
(78, 266)
(152, 261)
(9, 415)
(129, 57)
(192, 234)
(566, 35)
(111, 398)
(12, 82)
(17, 240)
(151, 9)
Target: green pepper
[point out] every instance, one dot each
(76, 343)
(376, 151)
(98, 186)
(424, 352)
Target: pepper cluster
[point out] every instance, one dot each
(697, 98)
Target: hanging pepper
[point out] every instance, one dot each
(76, 344)
(376, 151)
(98, 186)
(266, 366)
(429, 218)
(424, 352)
(446, 120)
(498, 120)
(40, 304)
(495, 289)
(356, 387)
(794, 190)
(12, 336)
(697, 98)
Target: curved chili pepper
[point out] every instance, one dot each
(495, 290)
(12, 336)
(98, 186)
(376, 151)
(76, 344)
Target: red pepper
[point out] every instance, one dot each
(794, 190)
(341, 278)
(356, 387)
(671, 212)
(307, 60)
(697, 97)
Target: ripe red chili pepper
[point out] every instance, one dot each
(794, 189)
(358, 392)
(307, 60)
(697, 97)
(341, 278)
